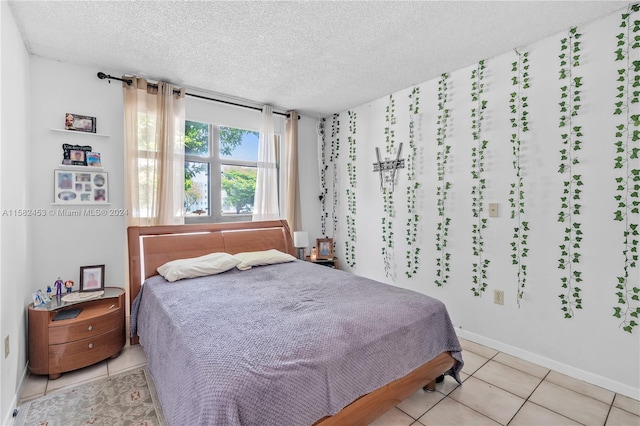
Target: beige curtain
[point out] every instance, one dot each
(292, 192)
(154, 153)
(265, 206)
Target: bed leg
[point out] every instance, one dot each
(430, 387)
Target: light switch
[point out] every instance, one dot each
(493, 209)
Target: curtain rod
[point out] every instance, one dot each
(102, 76)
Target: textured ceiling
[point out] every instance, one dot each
(316, 57)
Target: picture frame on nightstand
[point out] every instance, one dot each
(91, 278)
(325, 248)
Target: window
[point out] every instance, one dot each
(220, 172)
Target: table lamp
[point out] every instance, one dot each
(301, 241)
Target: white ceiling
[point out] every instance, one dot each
(316, 57)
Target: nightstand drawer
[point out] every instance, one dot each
(62, 332)
(81, 353)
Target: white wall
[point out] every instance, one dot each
(36, 94)
(15, 275)
(309, 179)
(590, 346)
(206, 111)
(62, 244)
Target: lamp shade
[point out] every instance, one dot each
(300, 239)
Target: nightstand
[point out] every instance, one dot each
(324, 262)
(95, 334)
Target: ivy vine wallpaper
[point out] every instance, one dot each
(551, 133)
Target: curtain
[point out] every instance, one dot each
(291, 192)
(154, 153)
(265, 206)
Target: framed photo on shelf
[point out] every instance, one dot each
(80, 123)
(80, 187)
(91, 278)
(325, 248)
(93, 159)
(75, 155)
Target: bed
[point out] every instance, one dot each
(289, 343)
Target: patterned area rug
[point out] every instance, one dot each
(128, 398)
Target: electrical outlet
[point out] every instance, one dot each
(6, 346)
(498, 297)
(493, 209)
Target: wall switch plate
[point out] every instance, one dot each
(493, 209)
(498, 297)
(6, 346)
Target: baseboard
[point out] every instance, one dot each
(568, 370)
(8, 419)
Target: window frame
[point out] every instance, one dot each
(216, 162)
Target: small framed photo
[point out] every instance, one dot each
(325, 248)
(93, 159)
(91, 278)
(75, 155)
(81, 123)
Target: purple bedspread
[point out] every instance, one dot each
(283, 344)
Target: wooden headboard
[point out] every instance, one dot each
(152, 246)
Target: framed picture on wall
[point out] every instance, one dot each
(80, 187)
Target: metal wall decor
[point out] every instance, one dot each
(388, 168)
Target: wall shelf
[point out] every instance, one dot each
(88, 169)
(85, 203)
(80, 133)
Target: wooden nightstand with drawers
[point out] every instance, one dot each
(95, 334)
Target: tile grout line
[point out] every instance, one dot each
(563, 386)
(461, 384)
(527, 399)
(532, 392)
(477, 378)
(615, 394)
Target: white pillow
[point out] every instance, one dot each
(209, 264)
(257, 258)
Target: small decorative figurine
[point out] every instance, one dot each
(37, 298)
(68, 285)
(314, 254)
(44, 296)
(58, 285)
(49, 291)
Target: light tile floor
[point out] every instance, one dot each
(130, 358)
(498, 389)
